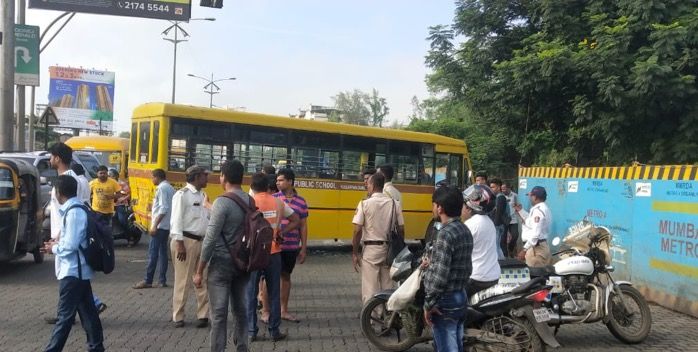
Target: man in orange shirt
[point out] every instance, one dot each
(274, 210)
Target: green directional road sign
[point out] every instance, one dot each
(26, 55)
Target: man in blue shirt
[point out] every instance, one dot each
(159, 230)
(72, 271)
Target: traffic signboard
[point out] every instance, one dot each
(177, 10)
(26, 55)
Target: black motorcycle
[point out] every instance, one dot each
(495, 322)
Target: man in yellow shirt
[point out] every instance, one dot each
(104, 190)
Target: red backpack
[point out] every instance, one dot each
(251, 250)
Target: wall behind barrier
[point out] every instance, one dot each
(652, 212)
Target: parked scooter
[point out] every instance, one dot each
(500, 322)
(584, 291)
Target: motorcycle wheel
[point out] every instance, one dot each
(380, 331)
(504, 333)
(135, 237)
(634, 325)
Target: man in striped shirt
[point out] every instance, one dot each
(295, 242)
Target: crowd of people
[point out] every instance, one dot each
(477, 228)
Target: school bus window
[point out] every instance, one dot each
(426, 169)
(405, 169)
(311, 139)
(441, 171)
(305, 161)
(329, 162)
(155, 142)
(269, 137)
(178, 155)
(455, 169)
(351, 164)
(134, 140)
(144, 136)
(210, 156)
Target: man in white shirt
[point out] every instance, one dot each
(535, 229)
(188, 224)
(389, 189)
(83, 183)
(485, 261)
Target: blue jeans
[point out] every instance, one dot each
(501, 233)
(75, 295)
(157, 254)
(448, 327)
(226, 288)
(272, 276)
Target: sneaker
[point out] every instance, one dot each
(179, 324)
(101, 308)
(251, 339)
(160, 285)
(141, 285)
(279, 337)
(202, 323)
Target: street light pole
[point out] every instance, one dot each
(175, 25)
(211, 84)
(7, 74)
(21, 98)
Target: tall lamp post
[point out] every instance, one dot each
(210, 85)
(177, 28)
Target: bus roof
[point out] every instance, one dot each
(97, 143)
(208, 114)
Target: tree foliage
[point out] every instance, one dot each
(585, 82)
(360, 108)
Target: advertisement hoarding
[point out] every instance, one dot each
(82, 98)
(176, 10)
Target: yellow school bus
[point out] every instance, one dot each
(111, 152)
(327, 158)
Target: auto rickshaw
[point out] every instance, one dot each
(20, 212)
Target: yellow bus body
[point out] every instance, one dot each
(111, 151)
(332, 202)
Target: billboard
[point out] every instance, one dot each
(82, 98)
(176, 10)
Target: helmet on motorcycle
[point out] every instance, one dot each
(479, 198)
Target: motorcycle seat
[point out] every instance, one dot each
(528, 285)
(543, 271)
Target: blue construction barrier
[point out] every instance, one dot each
(652, 212)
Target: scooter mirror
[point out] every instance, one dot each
(556, 241)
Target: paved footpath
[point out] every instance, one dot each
(325, 297)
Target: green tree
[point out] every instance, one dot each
(360, 108)
(352, 106)
(586, 82)
(378, 107)
(125, 134)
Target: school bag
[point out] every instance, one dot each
(251, 250)
(99, 252)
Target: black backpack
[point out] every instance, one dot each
(99, 252)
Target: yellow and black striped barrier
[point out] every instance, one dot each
(639, 172)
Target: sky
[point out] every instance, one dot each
(285, 55)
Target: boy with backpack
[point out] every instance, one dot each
(73, 270)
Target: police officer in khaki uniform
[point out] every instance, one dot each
(371, 228)
(188, 224)
(535, 229)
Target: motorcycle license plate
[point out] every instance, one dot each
(541, 315)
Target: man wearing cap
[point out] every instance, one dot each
(188, 223)
(535, 229)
